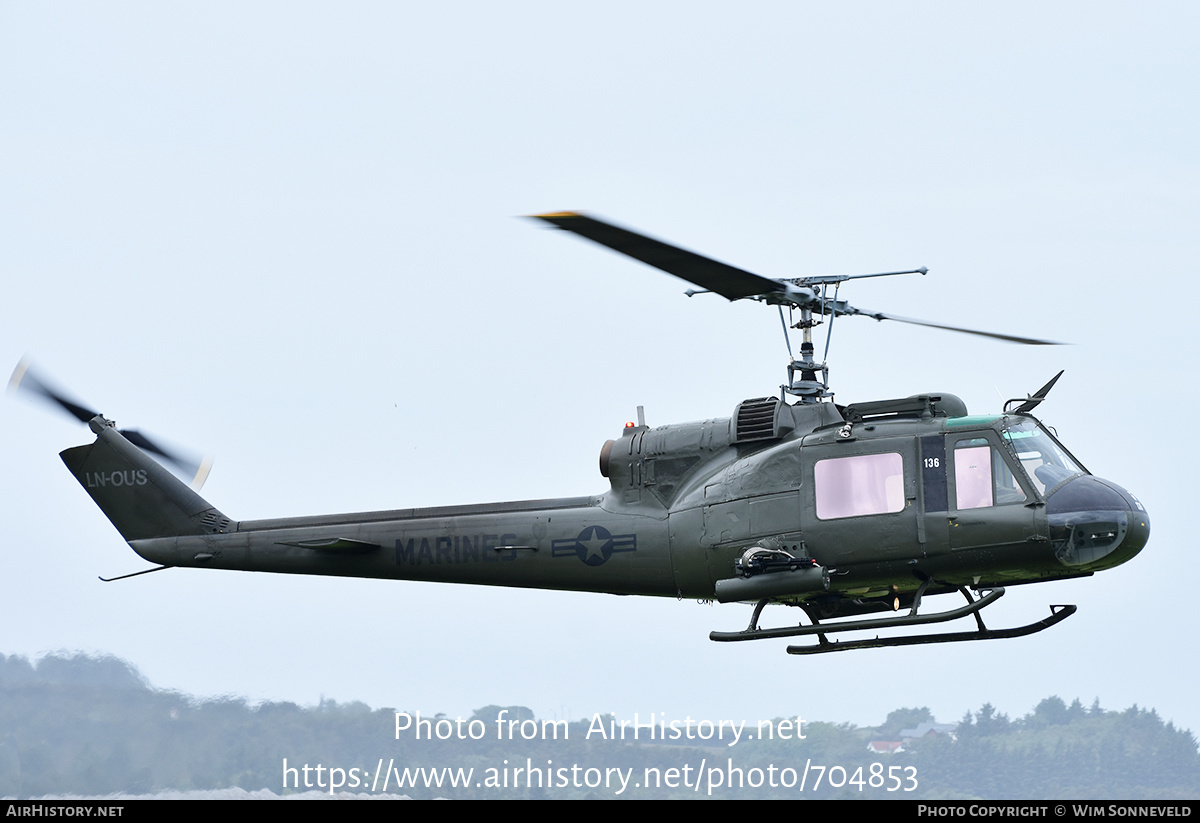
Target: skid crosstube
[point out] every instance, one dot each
(974, 606)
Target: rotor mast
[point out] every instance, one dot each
(808, 388)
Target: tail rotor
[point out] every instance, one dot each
(25, 380)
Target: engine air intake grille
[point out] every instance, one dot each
(756, 419)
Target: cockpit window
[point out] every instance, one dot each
(981, 477)
(973, 474)
(1044, 460)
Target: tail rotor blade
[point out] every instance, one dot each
(193, 470)
(25, 380)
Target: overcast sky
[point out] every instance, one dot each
(286, 234)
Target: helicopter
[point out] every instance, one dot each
(853, 514)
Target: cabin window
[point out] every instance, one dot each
(854, 486)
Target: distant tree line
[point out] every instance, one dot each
(93, 726)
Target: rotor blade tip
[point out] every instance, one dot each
(18, 374)
(202, 473)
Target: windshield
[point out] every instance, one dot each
(1045, 461)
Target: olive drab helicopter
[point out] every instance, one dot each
(854, 514)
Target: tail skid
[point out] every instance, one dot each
(134, 574)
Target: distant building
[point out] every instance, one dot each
(924, 729)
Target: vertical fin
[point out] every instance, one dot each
(140, 497)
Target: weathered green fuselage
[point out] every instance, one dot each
(685, 502)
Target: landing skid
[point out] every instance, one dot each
(974, 606)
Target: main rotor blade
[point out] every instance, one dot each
(728, 281)
(1011, 338)
(23, 379)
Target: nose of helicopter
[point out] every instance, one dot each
(1095, 524)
